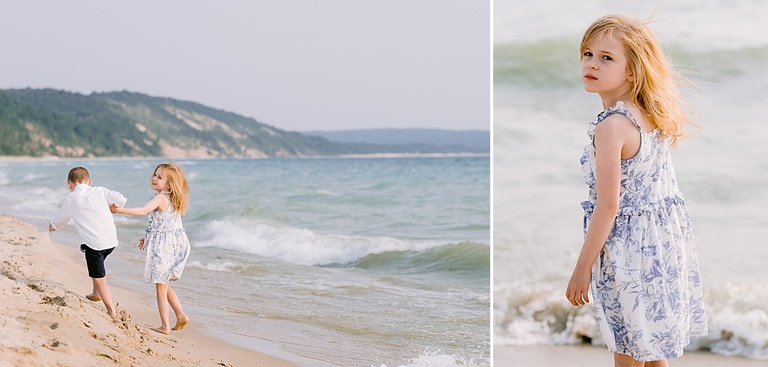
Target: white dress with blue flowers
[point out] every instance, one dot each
(167, 246)
(645, 282)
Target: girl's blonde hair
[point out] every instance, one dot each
(655, 82)
(178, 188)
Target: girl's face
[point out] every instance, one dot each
(604, 68)
(158, 182)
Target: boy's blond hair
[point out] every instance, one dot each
(655, 82)
(178, 188)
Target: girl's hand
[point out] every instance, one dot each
(577, 292)
(141, 244)
(115, 209)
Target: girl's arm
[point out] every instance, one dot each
(157, 201)
(610, 138)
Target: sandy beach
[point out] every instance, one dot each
(588, 356)
(45, 320)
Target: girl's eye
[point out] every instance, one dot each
(607, 58)
(587, 54)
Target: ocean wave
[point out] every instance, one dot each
(466, 257)
(298, 245)
(220, 266)
(538, 313)
(4, 180)
(439, 358)
(554, 63)
(37, 202)
(543, 64)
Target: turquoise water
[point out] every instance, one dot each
(541, 114)
(347, 262)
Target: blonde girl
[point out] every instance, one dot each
(638, 256)
(165, 241)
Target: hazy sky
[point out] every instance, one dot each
(296, 65)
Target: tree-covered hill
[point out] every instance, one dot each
(48, 122)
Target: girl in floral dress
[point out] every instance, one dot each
(165, 241)
(638, 256)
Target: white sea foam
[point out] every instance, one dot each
(439, 358)
(298, 245)
(37, 201)
(538, 314)
(31, 178)
(142, 165)
(736, 333)
(222, 266)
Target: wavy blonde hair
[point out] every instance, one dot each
(655, 84)
(178, 187)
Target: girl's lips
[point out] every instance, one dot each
(590, 77)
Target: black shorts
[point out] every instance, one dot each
(95, 260)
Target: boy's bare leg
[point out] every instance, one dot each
(162, 306)
(101, 289)
(181, 317)
(94, 296)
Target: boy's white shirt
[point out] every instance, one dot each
(88, 207)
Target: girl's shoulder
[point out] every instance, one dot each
(639, 119)
(616, 126)
(618, 118)
(165, 201)
(162, 194)
(619, 109)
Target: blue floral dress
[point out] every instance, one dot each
(167, 246)
(645, 282)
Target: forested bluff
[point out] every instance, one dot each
(49, 122)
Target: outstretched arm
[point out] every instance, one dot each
(144, 210)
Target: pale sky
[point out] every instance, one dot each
(296, 65)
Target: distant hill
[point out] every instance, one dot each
(48, 122)
(477, 141)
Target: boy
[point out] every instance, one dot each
(88, 207)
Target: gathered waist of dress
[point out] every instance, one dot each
(626, 211)
(180, 229)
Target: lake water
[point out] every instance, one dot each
(338, 262)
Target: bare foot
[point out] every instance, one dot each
(161, 330)
(93, 297)
(181, 323)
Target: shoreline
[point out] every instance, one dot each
(589, 356)
(46, 319)
(11, 159)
